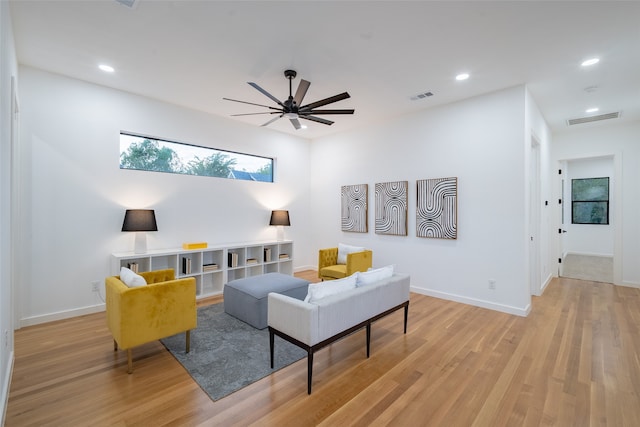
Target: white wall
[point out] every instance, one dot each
(77, 194)
(539, 215)
(8, 70)
(588, 239)
(481, 141)
(622, 141)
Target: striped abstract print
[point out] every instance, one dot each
(354, 208)
(391, 208)
(437, 208)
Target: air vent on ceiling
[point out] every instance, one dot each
(581, 120)
(131, 4)
(421, 96)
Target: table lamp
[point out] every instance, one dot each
(140, 221)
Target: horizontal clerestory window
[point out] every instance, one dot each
(158, 155)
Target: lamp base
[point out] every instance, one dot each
(280, 233)
(140, 246)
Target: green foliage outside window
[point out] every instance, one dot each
(141, 153)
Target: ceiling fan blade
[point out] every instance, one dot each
(301, 92)
(265, 93)
(326, 101)
(296, 124)
(317, 119)
(254, 114)
(327, 112)
(250, 103)
(272, 120)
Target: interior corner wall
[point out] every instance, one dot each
(622, 141)
(8, 72)
(481, 141)
(538, 133)
(77, 194)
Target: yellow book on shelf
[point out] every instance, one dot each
(197, 245)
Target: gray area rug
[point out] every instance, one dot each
(228, 354)
(588, 267)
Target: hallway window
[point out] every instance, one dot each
(590, 201)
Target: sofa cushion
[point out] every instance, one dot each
(131, 279)
(374, 275)
(344, 250)
(321, 290)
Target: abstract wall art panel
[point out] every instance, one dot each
(436, 212)
(354, 208)
(391, 208)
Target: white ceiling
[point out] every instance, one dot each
(194, 53)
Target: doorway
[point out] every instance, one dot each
(587, 249)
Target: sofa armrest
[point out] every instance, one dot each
(359, 261)
(293, 317)
(139, 315)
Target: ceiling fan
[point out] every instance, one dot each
(291, 108)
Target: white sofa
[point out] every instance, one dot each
(313, 325)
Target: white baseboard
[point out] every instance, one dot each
(546, 283)
(587, 254)
(629, 284)
(304, 268)
(36, 320)
(524, 312)
(5, 387)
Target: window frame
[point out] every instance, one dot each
(578, 204)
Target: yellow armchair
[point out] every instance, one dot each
(329, 269)
(164, 307)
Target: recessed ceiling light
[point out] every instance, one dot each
(462, 76)
(303, 126)
(106, 68)
(592, 110)
(591, 61)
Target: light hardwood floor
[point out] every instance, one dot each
(574, 361)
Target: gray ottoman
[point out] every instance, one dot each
(246, 299)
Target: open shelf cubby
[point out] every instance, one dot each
(214, 266)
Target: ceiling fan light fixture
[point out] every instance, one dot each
(290, 115)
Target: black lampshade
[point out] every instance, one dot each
(139, 220)
(279, 218)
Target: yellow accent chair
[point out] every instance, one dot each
(329, 269)
(164, 307)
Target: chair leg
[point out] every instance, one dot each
(115, 345)
(188, 339)
(129, 362)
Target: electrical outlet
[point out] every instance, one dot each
(492, 284)
(95, 286)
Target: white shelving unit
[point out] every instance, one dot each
(253, 258)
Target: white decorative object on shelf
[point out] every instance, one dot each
(212, 266)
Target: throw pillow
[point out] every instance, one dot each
(131, 279)
(372, 276)
(331, 287)
(344, 250)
